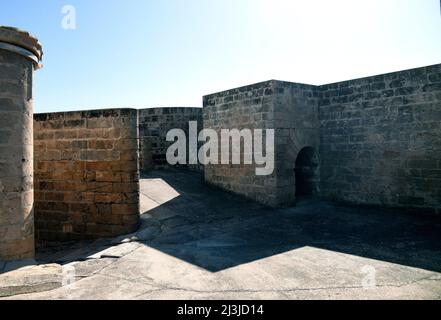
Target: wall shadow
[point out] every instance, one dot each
(216, 230)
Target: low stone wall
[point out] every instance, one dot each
(154, 124)
(86, 174)
(381, 139)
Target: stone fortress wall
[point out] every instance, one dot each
(249, 107)
(86, 174)
(154, 123)
(291, 110)
(297, 127)
(381, 139)
(373, 141)
(87, 164)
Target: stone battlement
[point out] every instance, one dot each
(376, 139)
(373, 141)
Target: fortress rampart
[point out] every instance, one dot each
(371, 141)
(86, 171)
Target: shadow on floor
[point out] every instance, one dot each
(216, 230)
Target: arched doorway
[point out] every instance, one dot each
(307, 173)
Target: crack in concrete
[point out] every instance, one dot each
(161, 287)
(59, 284)
(171, 288)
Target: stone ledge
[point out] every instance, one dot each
(22, 39)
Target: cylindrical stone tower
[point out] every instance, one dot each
(20, 55)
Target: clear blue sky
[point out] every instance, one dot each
(145, 53)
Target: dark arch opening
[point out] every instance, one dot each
(307, 173)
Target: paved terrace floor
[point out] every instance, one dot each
(197, 242)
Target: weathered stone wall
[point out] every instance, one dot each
(16, 191)
(86, 174)
(250, 107)
(154, 124)
(298, 127)
(376, 140)
(290, 109)
(381, 139)
(19, 56)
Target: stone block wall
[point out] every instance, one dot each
(297, 127)
(381, 139)
(20, 54)
(154, 124)
(86, 174)
(16, 169)
(291, 109)
(250, 107)
(376, 140)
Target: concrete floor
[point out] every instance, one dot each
(197, 242)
